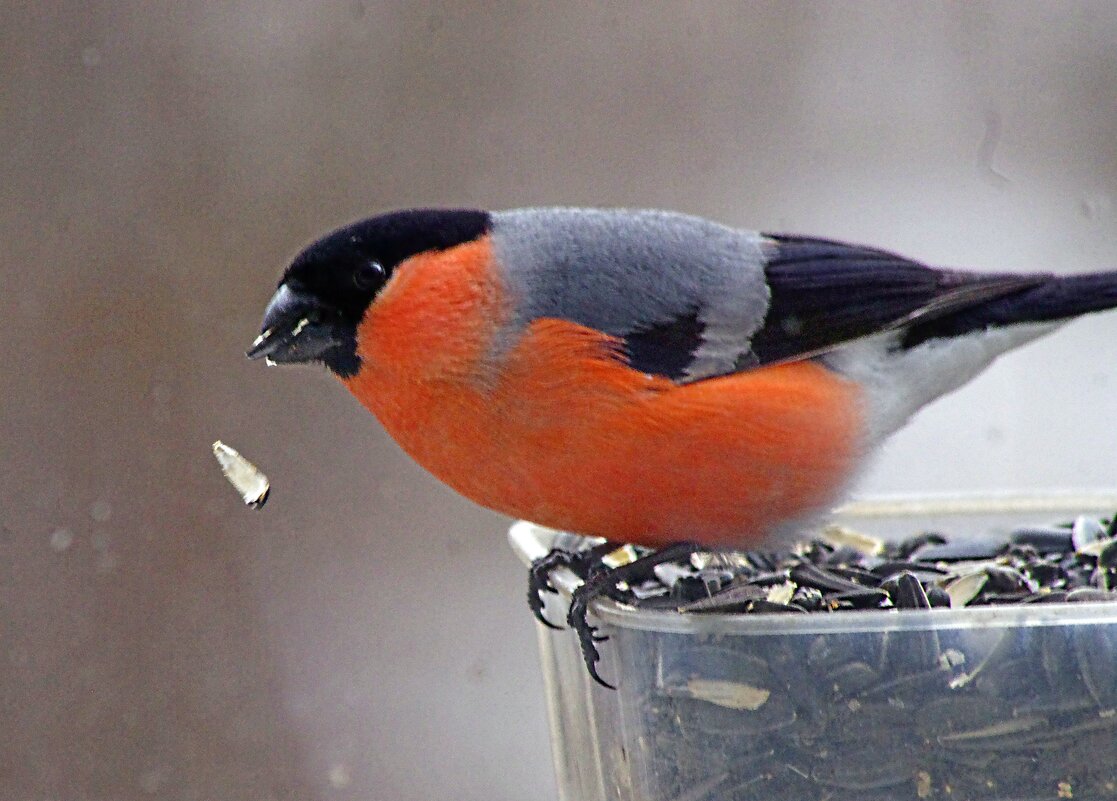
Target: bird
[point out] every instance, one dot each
(644, 376)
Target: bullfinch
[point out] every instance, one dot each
(644, 376)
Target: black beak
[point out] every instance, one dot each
(297, 328)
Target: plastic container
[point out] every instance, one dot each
(1007, 703)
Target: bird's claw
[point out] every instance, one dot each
(588, 636)
(602, 580)
(539, 582)
(585, 564)
(597, 579)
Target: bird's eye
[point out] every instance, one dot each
(368, 275)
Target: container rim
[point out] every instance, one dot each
(530, 541)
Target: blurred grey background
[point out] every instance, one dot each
(365, 636)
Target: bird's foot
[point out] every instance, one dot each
(602, 581)
(539, 574)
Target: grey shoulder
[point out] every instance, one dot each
(623, 271)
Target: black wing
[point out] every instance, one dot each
(823, 294)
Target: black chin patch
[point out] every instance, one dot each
(343, 361)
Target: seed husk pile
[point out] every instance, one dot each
(978, 712)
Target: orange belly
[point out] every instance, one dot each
(562, 433)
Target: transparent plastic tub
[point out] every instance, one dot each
(1002, 703)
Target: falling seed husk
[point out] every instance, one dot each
(245, 477)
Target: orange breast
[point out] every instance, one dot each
(557, 430)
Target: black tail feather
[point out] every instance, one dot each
(1057, 298)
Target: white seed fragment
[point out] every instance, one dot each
(260, 340)
(252, 485)
(730, 694)
(299, 326)
(624, 555)
(965, 588)
(840, 536)
(781, 593)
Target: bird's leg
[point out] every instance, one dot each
(539, 575)
(603, 581)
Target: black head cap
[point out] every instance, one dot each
(348, 267)
(332, 282)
